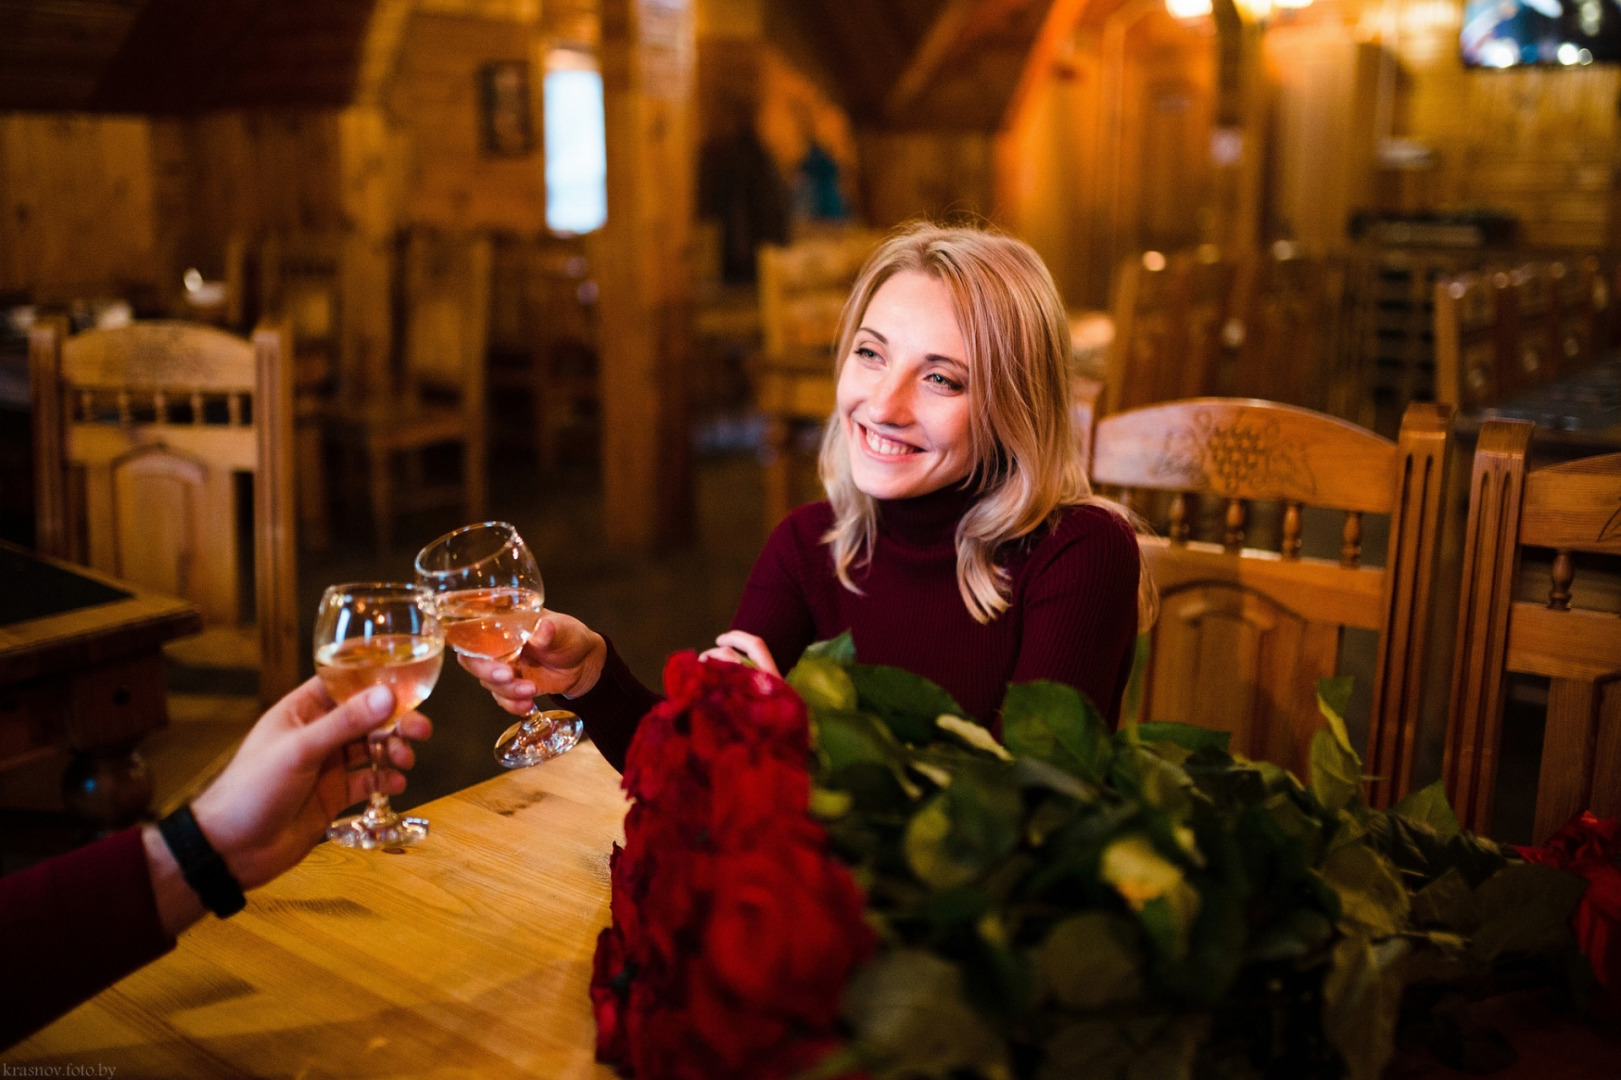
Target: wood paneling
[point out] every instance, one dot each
(434, 108)
(76, 205)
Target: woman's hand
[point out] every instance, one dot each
(735, 646)
(563, 656)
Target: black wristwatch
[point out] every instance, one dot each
(201, 865)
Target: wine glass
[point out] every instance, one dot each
(368, 634)
(487, 592)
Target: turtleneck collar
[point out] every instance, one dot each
(926, 520)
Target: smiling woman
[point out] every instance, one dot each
(959, 540)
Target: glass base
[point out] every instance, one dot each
(540, 736)
(367, 833)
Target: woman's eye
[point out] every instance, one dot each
(867, 353)
(945, 381)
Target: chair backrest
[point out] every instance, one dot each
(140, 433)
(301, 286)
(1473, 338)
(1288, 304)
(445, 294)
(1572, 637)
(803, 287)
(1171, 316)
(1243, 635)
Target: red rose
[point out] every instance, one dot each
(610, 981)
(657, 758)
(785, 931)
(754, 798)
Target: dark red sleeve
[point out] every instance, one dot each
(774, 606)
(613, 707)
(72, 926)
(1079, 609)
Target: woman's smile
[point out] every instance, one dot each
(903, 392)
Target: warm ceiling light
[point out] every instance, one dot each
(1187, 9)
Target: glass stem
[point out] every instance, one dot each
(379, 812)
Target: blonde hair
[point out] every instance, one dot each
(1027, 463)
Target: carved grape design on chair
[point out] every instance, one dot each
(1246, 453)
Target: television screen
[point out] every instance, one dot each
(1508, 33)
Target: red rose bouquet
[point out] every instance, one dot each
(734, 930)
(1072, 902)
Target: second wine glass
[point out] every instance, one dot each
(489, 596)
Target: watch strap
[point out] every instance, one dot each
(201, 865)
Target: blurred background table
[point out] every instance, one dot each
(81, 667)
(469, 956)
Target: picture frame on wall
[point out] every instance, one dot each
(507, 127)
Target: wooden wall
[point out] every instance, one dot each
(76, 206)
(1541, 143)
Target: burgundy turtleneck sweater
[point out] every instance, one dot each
(1072, 615)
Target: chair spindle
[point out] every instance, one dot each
(1351, 550)
(1291, 530)
(197, 408)
(125, 417)
(1564, 572)
(1233, 538)
(233, 409)
(1179, 518)
(160, 406)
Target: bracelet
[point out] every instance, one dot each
(201, 865)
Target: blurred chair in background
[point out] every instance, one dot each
(437, 397)
(803, 287)
(140, 436)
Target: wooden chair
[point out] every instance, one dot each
(542, 338)
(803, 287)
(1287, 305)
(1473, 344)
(301, 286)
(1171, 316)
(140, 435)
(1573, 509)
(438, 396)
(1243, 635)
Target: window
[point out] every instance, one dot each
(576, 143)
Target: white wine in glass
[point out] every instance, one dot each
(368, 635)
(488, 594)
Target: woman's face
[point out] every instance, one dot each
(903, 393)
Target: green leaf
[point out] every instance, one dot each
(911, 1019)
(1055, 723)
(1447, 902)
(1188, 736)
(906, 702)
(847, 738)
(826, 805)
(1333, 697)
(1525, 908)
(973, 735)
(1089, 960)
(1336, 772)
(1361, 996)
(1373, 900)
(823, 684)
(1135, 1047)
(841, 650)
(1429, 805)
(963, 831)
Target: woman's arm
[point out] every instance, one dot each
(1078, 608)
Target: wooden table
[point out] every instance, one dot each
(468, 956)
(81, 666)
